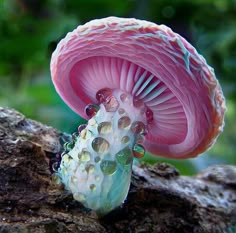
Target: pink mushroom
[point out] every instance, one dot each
(168, 93)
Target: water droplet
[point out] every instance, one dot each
(91, 110)
(138, 127)
(83, 133)
(124, 122)
(92, 122)
(124, 97)
(140, 138)
(66, 158)
(137, 102)
(121, 111)
(104, 127)
(103, 94)
(89, 134)
(79, 197)
(111, 105)
(97, 159)
(125, 139)
(100, 145)
(68, 146)
(81, 128)
(84, 156)
(108, 167)
(55, 166)
(63, 153)
(56, 179)
(92, 187)
(149, 115)
(125, 156)
(138, 151)
(90, 168)
(75, 135)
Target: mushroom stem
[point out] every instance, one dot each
(97, 167)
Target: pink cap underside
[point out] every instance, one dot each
(156, 49)
(98, 72)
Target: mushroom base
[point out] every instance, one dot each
(96, 167)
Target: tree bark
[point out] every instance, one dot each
(160, 199)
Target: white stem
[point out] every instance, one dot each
(98, 169)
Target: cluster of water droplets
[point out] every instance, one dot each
(97, 163)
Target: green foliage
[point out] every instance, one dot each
(30, 31)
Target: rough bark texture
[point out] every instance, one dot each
(160, 200)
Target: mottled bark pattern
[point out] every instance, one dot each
(160, 200)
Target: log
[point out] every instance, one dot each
(160, 200)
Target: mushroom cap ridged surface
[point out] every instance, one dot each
(152, 63)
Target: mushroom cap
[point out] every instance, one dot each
(152, 63)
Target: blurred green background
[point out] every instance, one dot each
(30, 30)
